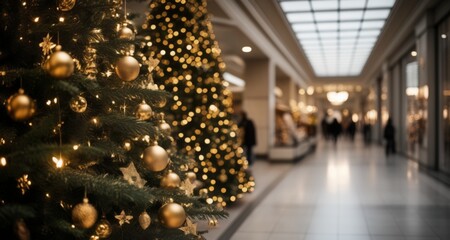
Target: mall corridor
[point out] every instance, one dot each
(352, 192)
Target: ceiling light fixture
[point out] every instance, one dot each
(246, 49)
(413, 53)
(337, 98)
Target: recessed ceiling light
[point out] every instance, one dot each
(444, 36)
(246, 49)
(413, 53)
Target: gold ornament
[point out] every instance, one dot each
(78, 104)
(212, 222)
(131, 175)
(143, 111)
(190, 228)
(84, 215)
(127, 145)
(191, 176)
(123, 218)
(66, 5)
(127, 68)
(151, 63)
(23, 183)
(172, 215)
(162, 103)
(144, 220)
(47, 45)
(155, 158)
(188, 187)
(60, 64)
(164, 127)
(20, 107)
(223, 177)
(203, 193)
(103, 229)
(21, 230)
(171, 180)
(126, 33)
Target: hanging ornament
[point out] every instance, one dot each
(188, 187)
(191, 176)
(131, 175)
(21, 230)
(84, 215)
(66, 5)
(164, 127)
(123, 218)
(78, 104)
(203, 193)
(144, 220)
(172, 215)
(212, 222)
(47, 45)
(103, 229)
(155, 158)
(126, 33)
(59, 64)
(127, 68)
(23, 183)
(171, 180)
(143, 111)
(127, 145)
(20, 107)
(190, 228)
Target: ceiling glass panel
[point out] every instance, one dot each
(349, 25)
(380, 3)
(326, 16)
(376, 14)
(351, 15)
(295, 6)
(337, 48)
(325, 5)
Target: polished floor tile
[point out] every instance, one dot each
(352, 192)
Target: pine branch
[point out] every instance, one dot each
(11, 212)
(126, 127)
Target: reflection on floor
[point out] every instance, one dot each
(352, 192)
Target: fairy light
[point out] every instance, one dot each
(59, 163)
(3, 161)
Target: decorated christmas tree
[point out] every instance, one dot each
(179, 34)
(84, 153)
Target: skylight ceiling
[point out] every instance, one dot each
(337, 35)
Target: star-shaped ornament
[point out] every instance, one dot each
(123, 218)
(190, 228)
(47, 45)
(151, 63)
(188, 187)
(131, 175)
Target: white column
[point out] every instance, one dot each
(259, 102)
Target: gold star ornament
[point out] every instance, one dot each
(47, 45)
(131, 175)
(190, 228)
(188, 187)
(123, 218)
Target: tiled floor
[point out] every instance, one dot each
(352, 192)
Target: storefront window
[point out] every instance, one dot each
(444, 78)
(413, 116)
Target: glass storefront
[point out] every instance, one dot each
(411, 71)
(444, 78)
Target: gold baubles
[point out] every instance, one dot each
(191, 176)
(127, 68)
(171, 180)
(103, 229)
(164, 127)
(20, 107)
(21, 230)
(144, 220)
(59, 64)
(172, 215)
(203, 193)
(155, 158)
(143, 111)
(126, 33)
(66, 5)
(78, 104)
(223, 177)
(84, 215)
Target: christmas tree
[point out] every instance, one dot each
(83, 150)
(179, 34)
